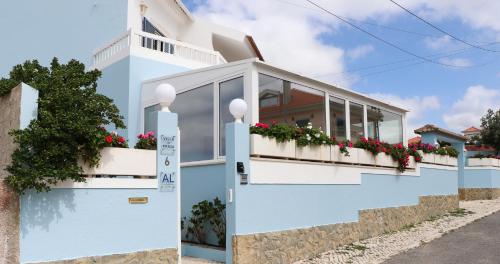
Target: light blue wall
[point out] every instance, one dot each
(202, 183)
(65, 29)
(142, 69)
(71, 223)
(472, 153)
(114, 84)
(122, 82)
(482, 178)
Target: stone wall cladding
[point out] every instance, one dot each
(10, 111)
(293, 245)
(163, 256)
(469, 194)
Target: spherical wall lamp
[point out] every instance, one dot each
(238, 108)
(165, 93)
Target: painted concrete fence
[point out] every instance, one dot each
(105, 220)
(282, 215)
(481, 179)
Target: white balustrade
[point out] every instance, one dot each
(159, 44)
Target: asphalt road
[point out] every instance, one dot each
(476, 243)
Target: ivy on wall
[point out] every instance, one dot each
(70, 113)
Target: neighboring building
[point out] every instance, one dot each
(471, 132)
(414, 140)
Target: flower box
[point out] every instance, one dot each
(311, 152)
(337, 156)
(385, 160)
(411, 163)
(365, 157)
(427, 157)
(264, 146)
(441, 159)
(452, 161)
(124, 161)
(476, 162)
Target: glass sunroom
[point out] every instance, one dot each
(272, 94)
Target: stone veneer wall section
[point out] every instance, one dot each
(293, 245)
(10, 111)
(160, 256)
(469, 194)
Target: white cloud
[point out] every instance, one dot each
(458, 62)
(443, 42)
(468, 110)
(418, 107)
(360, 51)
(289, 32)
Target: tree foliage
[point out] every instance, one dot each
(490, 129)
(70, 113)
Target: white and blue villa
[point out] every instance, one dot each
(283, 202)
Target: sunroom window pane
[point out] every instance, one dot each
(384, 125)
(228, 91)
(337, 118)
(196, 123)
(357, 119)
(150, 118)
(286, 102)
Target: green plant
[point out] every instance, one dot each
(206, 215)
(452, 152)
(146, 141)
(217, 219)
(441, 151)
(308, 135)
(280, 132)
(490, 129)
(67, 128)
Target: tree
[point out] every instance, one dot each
(490, 129)
(70, 113)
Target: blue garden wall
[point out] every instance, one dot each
(72, 223)
(482, 178)
(57, 28)
(266, 208)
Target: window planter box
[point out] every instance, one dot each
(452, 161)
(385, 160)
(321, 153)
(477, 162)
(365, 157)
(124, 161)
(337, 156)
(411, 164)
(427, 157)
(441, 159)
(264, 146)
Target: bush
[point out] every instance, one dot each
(206, 214)
(67, 128)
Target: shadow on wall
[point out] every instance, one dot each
(39, 211)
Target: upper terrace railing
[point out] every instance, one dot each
(161, 45)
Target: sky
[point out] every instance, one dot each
(451, 85)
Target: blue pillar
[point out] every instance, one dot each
(237, 150)
(168, 174)
(461, 162)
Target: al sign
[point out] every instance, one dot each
(167, 162)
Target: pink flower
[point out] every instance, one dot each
(350, 144)
(341, 145)
(262, 125)
(364, 140)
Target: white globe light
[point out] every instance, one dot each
(238, 108)
(165, 93)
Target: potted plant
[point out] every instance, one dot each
(312, 144)
(275, 140)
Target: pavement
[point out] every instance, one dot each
(477, 243)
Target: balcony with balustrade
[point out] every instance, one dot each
(157, 48)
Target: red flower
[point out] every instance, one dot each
(400, 146)
(364, 140)
(109, 139)
(262, 125)
(121, 139)
(418, 158)
(350, 144)
(341, 145)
